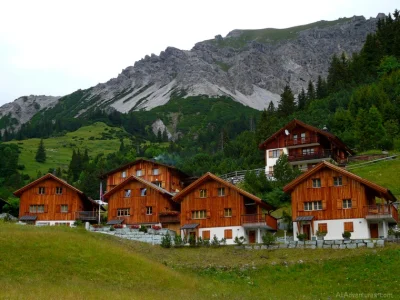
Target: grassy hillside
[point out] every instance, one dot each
(97, 138)
(69, 263)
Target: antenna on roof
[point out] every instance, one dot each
(286, 132)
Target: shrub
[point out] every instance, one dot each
(302, 236)
(166, 241)
(346, 234)
(178, 242)
(78, 223)
(112, 228)
(192, 241)
(239, 240)
(199, 242)
(143, 229)
(321, 233)
(206, 243)
(268, 239)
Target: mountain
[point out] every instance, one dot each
(249, 66)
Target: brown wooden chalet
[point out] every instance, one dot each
(330, 199)
(211, 206)
(164, 176)
(52, 201)
(138, 201)
(305, 146)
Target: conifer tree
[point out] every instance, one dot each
(286, 105)
(302, 99)
(41, 153)
(310, 92)
(321, 91)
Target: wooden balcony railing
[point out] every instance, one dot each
(260, 219)
(380, 211)
(311, 155)
(302, 141)
(169, 218)
(86, 215)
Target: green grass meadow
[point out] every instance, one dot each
(70, 263)
(97, 138)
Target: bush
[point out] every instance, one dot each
(178, 242)
(192, 241)
(143, 229)
(239, 240)
(78, 223)
(346, 234)
(302, 236)
(166, 241)
(112, 228)
(268, 239)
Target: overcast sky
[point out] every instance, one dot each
(56, 47)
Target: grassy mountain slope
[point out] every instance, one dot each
(69, 263)
(97, 138)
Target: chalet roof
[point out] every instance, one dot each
(190, 226)
(132, 163)
(28, 218)
(47, 176)
(295, 122)
(135, 178)
(114, 222)
(304, 218)
(178, 197)
(386, 193)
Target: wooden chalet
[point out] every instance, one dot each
(211, 206)
(305, 146)
(330, 199)
(166, 177)
(50, 200)
(138, 201)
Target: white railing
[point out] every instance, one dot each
(238, 176)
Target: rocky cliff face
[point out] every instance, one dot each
(250, 66)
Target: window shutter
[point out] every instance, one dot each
(206, 234)
(348, 226)
(339, 203)
(323, 204)
(353, 203)
(228, 234)
(270, 153)
(208, 214)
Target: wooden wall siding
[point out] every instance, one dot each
(170, 178)
(331, 197)
(51, 201)
(215, 206)
(137, 204)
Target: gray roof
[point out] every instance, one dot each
(189, 226)
(28, 218)
(304, 218)
(113, 222)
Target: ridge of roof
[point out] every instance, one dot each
(47, 176)
(133, 177)
(186, 190)
(291, 185)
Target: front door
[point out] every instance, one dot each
(252, 237)
(306, 231)
(373, 229)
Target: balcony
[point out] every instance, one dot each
(386, 212)
(86, 215)
(169, 217)
(301, 141)
(310, 155)
(259, 221)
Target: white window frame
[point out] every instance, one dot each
(199, 214)
(139, 173)
(275, 153)
(143, 192)
(123, 174)
(337, 181)
(347, 204)
(127, 193)
(156, 171)
(123, 212)
(203, 193)
(228, 212)
(221, 192)
(149, 210)
(64, 208)
(157, 183)
(59, 190)
(316, 183)
(303, 137)
(42, 190)
(313, 205)
(36, 208)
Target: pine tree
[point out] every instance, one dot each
(321, 88)
(310, 92)
(286, 105)
(302, 99)
(41, 153)
(165, 135)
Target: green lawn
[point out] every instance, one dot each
(97, 138)
(70, 263)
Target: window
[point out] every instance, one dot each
(156, 172)
(42, 190)
(203, 193)
(316, 183)
(303, 137)
(143, 192)
(294, 138)
(59, 190)
(275, 153)
(228, 234)
(64, 208)
(139, 173)
(228, 212)
(348, 226)
(323, 227)
(337, 181)
(221, 191)
(127, 193)
(346, 203)
(149, 210)
(123, 174)
(206, 234)
(313, 205)
(36, 208)
(157, 183)
(199, 214)
(271, 170)
(121, 212)
(308, 151)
